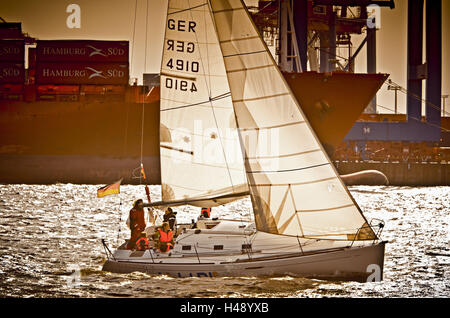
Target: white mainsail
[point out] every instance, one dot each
(294, 187)
(201, 160)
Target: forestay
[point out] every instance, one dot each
(295, 189)
(201, 160)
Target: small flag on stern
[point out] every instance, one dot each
(109, 189)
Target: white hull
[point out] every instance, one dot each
(345, 264)
(316, 259)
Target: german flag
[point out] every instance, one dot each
(109, 189)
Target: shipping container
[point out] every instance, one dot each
(82, 73)
(58, 89)
(31, 58)
(30, 75)
(10, 30)
(11, 88)
(102, 89)
(12, 73)
(82, 51)
(12, 51)
(29, 93)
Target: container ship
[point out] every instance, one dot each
(73, 116)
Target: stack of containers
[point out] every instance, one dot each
(81, 67)
(12, 69)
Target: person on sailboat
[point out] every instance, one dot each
(142, 243)
(164, 241)
(171, 217)
(137, 222)
(205, 213)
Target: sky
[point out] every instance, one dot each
(144, 28)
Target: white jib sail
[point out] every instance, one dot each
(294, 187)
(200, 153)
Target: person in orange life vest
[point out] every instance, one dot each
(142, 243)
(205, 213)
(137, 222)
(165, 238)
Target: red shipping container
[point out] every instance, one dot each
(58, 89)
(11, 88)
(12, 51)
(82, 51)
(102, 89)
(12, 73)
(82, 73)
(32, 58)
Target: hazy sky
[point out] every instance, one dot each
(115, 20)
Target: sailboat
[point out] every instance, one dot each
(221, 88)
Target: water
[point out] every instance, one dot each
(50, 246)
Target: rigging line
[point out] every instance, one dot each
(143, 95)
(188, 9)
(430, 124)
(199, 103)
(125, 142)
(381, 106)
(331, 54)
(245, 53)
(290, 170)
(209, 12)
(407, 92)
(419, 120)
(426, 122)
(134, 32)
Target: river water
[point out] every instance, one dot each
(50, 246)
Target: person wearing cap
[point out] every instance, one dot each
(142, 243)
(170, 217)
(165, 241)
(137, 222)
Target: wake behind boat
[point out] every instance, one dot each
(221, 90)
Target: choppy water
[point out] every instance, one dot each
(50, 233)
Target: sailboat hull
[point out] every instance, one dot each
(355, 264)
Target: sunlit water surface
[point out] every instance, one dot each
(50, 233)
